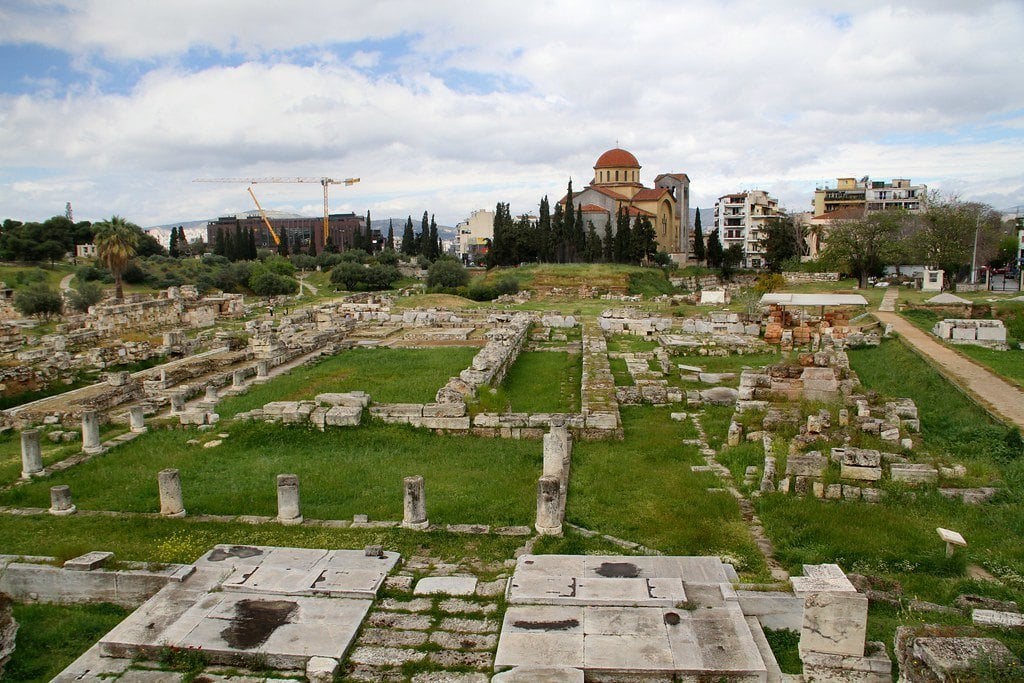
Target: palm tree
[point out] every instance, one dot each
(115, 242)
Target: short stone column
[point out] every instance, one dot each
(262, 369)
(549, 494)
(60, 501)
(137, 420)
(31, 454)
(171, 504)
(238, 378)
(177, 402)
(557, 451)
(91, 432)
(288, 511)
(415, 504)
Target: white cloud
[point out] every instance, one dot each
(734, 94)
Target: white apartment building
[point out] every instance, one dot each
(740, 219)
(473, 234)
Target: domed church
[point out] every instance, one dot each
(617, 184)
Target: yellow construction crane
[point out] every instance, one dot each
(323, 181)
(263, 215)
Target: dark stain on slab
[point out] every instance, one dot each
(239, 551)
(255, 621)
(560, 625)
(671, 618)
(618, 570)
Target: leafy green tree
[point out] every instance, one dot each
(381, 276)
(863, 247)
(38, 300)
(699, 250)
(116, 241)
(447, 273)
(348, 274)
(945, 235)
(731, 258)
(782, 240)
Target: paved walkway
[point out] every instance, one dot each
(1001, 397)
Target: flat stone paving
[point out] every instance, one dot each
(627, 616)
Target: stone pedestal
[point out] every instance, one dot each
(60, 501)
(549, 493)
(177, 402)
(262, 369)
(31, 455)
(557, 451)
(171, 504)
(415, 504)
(91, 432)
(137, 420)
(288, 511)
(238, 378)
(211, 394)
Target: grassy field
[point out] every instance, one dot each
(388, 375)
(643, 490)
(343, 472)
(50, 637)
(538, 382)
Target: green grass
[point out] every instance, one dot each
(538, 382)
(643, 490)
(50, 637)
(630, 343)
(388, 375)
(784, 644)
(342, 472)
(10, 452)
(146, 539)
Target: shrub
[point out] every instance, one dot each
(90, 273)
(506, 285)
(133, 274)
(267, 283)
(84, 296)
(348, 274)
(769, 282)
(355, 256)
(328, 260)
(661, 259)
(482, 292)
(38, 300)
(303, 261)
(279, 265)
(215, 260)
(388, 257)
(447, 273)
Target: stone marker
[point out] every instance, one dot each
(549, 493)
(177, 402)
(415, 504)
(31, 455)
(288, 511)
(90, 432)
(238, 378)
(171, 504)
(262, 369)
(60, 501)
(991, 617)
(951, 539)
(137, 420)
(211, 393)
(557, 450)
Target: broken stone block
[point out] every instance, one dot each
(343, 416)
(913, 473)
(860, 473)
(811, 464)
(833, 491)
(988, 617)
(834, 623)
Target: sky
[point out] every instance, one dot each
(445, 106)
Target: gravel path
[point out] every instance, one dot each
(1001, 397)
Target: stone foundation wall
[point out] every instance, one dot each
(795, 278)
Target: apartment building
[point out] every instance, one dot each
(870, 195)
(740, 219)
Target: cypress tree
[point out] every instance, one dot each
(699, 252)
(580, 236)
(408, 238)
(218, 242)
(609, 241)
(623, 237)
(368, 242)
(424, 235)
(543, 233)
(252, 245)
(714, 250)
(282, 247)
(391, 234)
(435, 249)
(172, 247)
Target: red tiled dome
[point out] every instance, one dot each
(617, 158)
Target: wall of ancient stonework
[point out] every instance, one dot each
(794, 278)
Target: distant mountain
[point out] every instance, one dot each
(197, 228)
(446, 232)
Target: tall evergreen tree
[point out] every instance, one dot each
(219, 246)
(645, 241)
(435, 249)
(391, 234)
(252, 255)
(608, 247)
(409, 245)
(424, 235)
(714, 251)
(623, 238)
(282, 247)
(699, 251)
(543, 232)
(172, 247)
